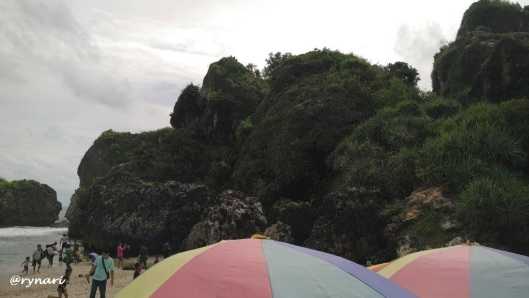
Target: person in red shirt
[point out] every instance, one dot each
(120, 253)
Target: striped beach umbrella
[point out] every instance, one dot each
(461, 271)
(259, 268)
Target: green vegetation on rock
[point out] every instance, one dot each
(329, 151)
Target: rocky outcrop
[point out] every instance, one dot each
(315, 99)
(161, 155)
(296, 215)
(483, 65)
(323, 150)
(233, 93)
(122, 207)
(27, 203)
(158, 157)
(489, 59)
(279, 232)
(427, 219)
(230, 93)
(350, 224)
(188, 108)
(234, 216)
(494, 16)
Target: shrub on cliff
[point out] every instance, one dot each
(380, 154)
(315, 100)
(404, 72)
(495, 211)
(350, 224)
(232, 93)
(477, 142)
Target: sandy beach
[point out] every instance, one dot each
(78, 288)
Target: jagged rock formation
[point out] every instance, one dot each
(494, 16)
(427, 220)
(27, 203)
(350, 224)
(230, 93)
(489, 59)
(315, 99)
(279, 232)
(325, 149)
(151, 156)
(188, 108)
(122, 207)
(235, 216)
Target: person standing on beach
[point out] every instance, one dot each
(120, 254)
(67, 255)
(51, 250)
(38, 254)
(102, 269)
(76, 252)
(142, 257)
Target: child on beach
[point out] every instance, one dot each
(61, 289)
(25, 264)
(38, 254)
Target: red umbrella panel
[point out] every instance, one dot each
(461, 272)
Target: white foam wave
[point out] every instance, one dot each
(30, 231)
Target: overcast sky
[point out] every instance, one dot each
(71, 69)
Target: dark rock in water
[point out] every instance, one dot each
(489, 59)
(280, 232)
(351, 225)
(235, 216)
(426, 220)
(27, 203)
(121, 207)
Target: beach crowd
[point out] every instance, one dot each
(101, 272)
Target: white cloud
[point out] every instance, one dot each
(418, 47)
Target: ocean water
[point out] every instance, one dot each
(17, 243)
